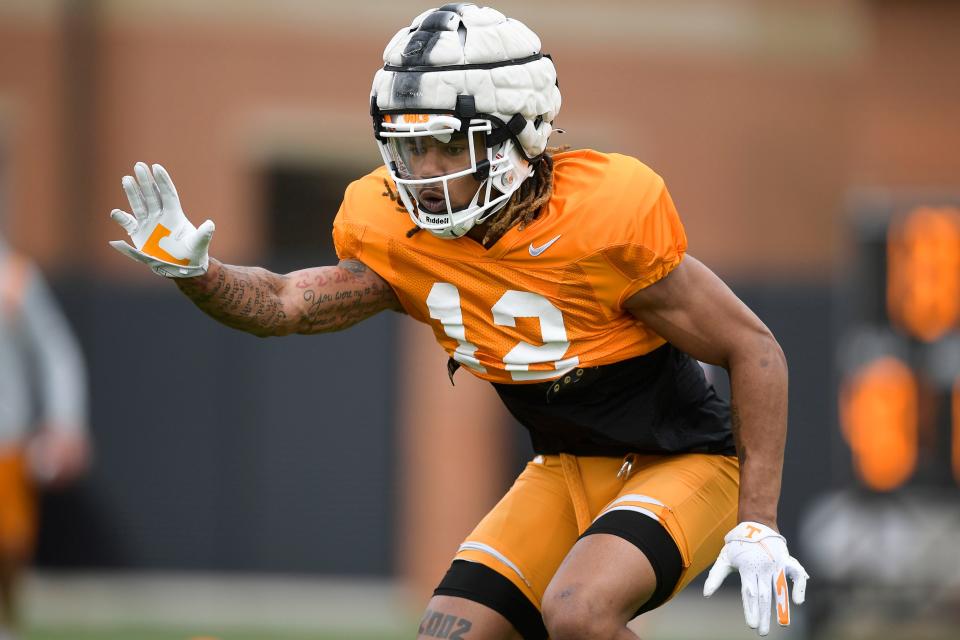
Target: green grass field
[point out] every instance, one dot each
(144, 633)
(130, 606)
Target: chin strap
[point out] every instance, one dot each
(492, 210)
(486, 184)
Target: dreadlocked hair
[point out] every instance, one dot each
(524, 205)
(397, 202)
(393, 196)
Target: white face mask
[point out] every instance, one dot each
(448, 179)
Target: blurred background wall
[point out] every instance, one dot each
(772, 123)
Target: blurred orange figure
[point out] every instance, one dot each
(39, 360)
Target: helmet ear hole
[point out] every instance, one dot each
(517, 170)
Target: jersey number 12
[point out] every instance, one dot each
(444, 305)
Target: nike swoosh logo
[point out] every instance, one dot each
(535, 251)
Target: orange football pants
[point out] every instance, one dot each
(529, 532)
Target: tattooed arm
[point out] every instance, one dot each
(696, 312)
(313, 300)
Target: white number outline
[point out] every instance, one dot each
(444, 305)
(443, 302)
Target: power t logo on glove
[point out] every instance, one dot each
(163, 237)
(760, 555)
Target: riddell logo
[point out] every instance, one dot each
(436, 220)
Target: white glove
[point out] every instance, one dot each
(163, 237)
(760, 555)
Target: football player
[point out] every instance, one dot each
(561, 278)
(40, 362)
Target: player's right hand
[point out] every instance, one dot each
(163, 238)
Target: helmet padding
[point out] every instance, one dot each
(462, 49)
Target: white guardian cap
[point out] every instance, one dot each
(464, 91)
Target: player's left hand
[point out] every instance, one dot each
(760, 555)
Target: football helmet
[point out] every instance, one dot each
(462, 110)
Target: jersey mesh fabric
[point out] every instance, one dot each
(575, 288)
(609, 230)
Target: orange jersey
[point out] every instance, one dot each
(541, 301)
